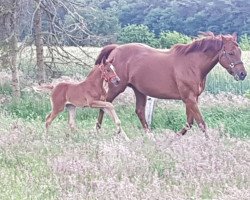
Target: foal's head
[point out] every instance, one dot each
(108, 72)
(230, 57)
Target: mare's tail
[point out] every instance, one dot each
(105, 52)
(43, 88)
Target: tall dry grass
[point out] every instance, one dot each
(89, 166)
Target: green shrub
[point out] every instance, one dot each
(137, 33)
(167, 39)
(245, 42)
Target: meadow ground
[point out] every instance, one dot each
(90, 165)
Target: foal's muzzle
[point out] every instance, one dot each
(115, 80)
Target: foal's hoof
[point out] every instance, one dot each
(207, 136)
(97, 127)
(121, 132)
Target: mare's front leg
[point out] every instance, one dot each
(190, 121)
(191, 104)
(141, 101)
(111, 111)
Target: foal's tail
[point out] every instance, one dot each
(105, 52)
(43, 88)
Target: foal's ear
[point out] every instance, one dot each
(111, 61)
(235, 36)
(104, 60)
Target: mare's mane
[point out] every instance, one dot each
(207, 42)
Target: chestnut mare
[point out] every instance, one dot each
(179, 73)
(88, 93)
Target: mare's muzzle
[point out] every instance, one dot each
(242, 75)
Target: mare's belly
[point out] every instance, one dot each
(157, 86)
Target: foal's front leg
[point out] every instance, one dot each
(110, 109)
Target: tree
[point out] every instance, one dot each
(9, 40)
(39, 43)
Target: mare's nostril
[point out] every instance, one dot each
(242, 75)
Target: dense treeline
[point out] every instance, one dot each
(188, 16)
(185, 16)
(105, 19)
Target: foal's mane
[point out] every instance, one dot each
(206, 41)
(93, 69)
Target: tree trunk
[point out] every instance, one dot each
(14, 66)
(13, 49)
(39, 45)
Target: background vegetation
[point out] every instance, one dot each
(45, 40)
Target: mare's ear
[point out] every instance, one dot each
(235, 36)
(224, 39)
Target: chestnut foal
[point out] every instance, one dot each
(88, 93)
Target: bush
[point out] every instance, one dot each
(167, 39)
(137, 33)
(245, 42)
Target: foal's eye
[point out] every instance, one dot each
(231, 53)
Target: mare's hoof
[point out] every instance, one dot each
(150, 135)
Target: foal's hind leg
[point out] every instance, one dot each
(72, 115)
(53, 114)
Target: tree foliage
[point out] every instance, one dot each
(167, 39)
(137, 33)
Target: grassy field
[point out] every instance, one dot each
(90, 165)
(87, 165)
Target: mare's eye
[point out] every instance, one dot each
(231, 53)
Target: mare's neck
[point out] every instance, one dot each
(212, 60)
(210, 56)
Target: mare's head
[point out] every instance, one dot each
(108, 72)
(230, 57)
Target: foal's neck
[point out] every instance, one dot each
(95, 76)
